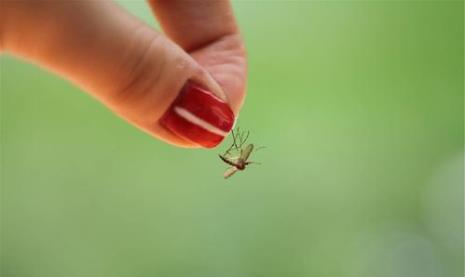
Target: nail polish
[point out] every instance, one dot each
(199, 116)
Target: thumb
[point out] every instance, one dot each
(134, 70)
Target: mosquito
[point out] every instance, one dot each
(239, 161)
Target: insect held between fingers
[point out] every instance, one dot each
(240, 159)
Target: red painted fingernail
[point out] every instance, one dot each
(199, 116)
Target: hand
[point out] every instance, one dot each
(185, 88)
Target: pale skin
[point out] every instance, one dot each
(130, 67)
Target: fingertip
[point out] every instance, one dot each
(199, 116)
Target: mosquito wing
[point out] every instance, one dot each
(229, 172)
(245, 153)
(231, 161)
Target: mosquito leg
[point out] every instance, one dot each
(228, 151)
(246, 137)
(234, 139)
(239, 137)
(242, 139)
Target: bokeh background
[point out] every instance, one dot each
(360, 105)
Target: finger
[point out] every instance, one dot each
(225, 60)
(134, 70)
(193, 24)
(208, 31)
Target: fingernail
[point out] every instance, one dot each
(199, 116)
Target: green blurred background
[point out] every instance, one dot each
(361, 107)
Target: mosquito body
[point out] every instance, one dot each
(239, 161)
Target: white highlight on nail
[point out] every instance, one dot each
(211, 94)
(192, 118)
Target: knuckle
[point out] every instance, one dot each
(141, 70)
